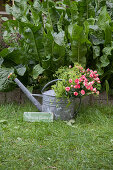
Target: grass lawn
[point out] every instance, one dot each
(88, 144)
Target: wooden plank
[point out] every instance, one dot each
(38, 116)
(3, 13)
(12, 2)
(12, 5)
(2, 97)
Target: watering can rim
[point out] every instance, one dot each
(49, 84)
(44, 93)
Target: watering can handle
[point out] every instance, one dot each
(49, 84)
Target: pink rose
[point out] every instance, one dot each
(97, 79)
(94, 75)
(85, 83)
(78, 86)
(88, 70)
(75, 86)
(71, 85)
(70, 66)
(89, 84)
(83, 77)
(87, 87)
(94, 90)
(92, 82)
(70, 80)
(91, 71)
(97, 92)
(80, 79)
(91, 88)
(82, 92)
(91, 75)
(77, 81)
(75, 93)
(67, 88)
(95, 72)
(81, 68)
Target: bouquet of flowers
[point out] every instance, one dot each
(76, 82)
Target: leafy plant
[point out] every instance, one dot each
(5, 84)
(76, 82)
(35, 46)
(47, 35)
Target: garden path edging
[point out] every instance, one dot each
(19, 97)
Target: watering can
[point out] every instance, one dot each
(60, 108)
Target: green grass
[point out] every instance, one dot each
(88, 145)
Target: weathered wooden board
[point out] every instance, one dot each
(38, 116)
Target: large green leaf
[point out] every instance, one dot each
(60, 6)
(104, 61)
(91, 21)
(70, 30)
(79, 38)
(96, 51)
(108, 33)
(60, 23)
(53, 15)
(37, 70)
(21, 70)
(30, 43)
(74, 11)
(37, 6)
(107, 50)
(48, 43)
(103, 18)
(97, 36)
(1, 61)
(86, 10)
(5, 83)
(4, 52)
(46, 62)
(100, 69)
(58, 52)
(59, 38)
(86, 29)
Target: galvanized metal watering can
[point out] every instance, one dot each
(59, 107)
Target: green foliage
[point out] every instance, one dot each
(101, 37)
(65, 73)
(37, 70)
(5, 84)
(76, 82)
(54, 34)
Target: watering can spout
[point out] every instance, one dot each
(28, 94)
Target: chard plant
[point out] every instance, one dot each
(46, 35)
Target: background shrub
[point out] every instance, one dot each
(48, 34)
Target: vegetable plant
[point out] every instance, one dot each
(47, 35)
